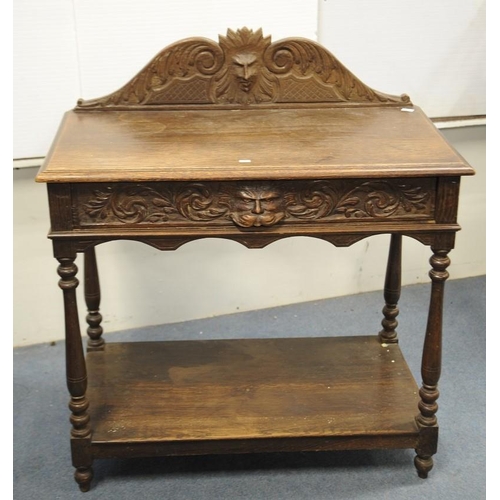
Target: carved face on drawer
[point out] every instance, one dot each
(257, 206)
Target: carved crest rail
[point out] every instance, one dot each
(244, 68)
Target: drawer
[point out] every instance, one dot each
(252, 204)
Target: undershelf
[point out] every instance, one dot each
(221, 396)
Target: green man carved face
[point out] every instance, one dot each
(246, 68)
(257, 206)
(244, 78)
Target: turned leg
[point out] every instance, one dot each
(92, 294)
(431, 366)
(392, 292)
(76, 375)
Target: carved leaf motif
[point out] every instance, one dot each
(413, 196)
(381, 199)
(130, 204)
(313, 203)
(198, 202)
(181, 60)
(97, 207)
(313, 67)
(304, 55)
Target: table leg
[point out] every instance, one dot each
(431, 365)
(392, 292)
(92, 294)
(76, 375)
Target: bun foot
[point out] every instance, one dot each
(83, 476)
(423, 465)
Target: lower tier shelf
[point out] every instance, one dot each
(230, 396)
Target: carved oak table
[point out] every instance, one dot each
(253, 141)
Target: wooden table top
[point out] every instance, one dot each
(245, 144)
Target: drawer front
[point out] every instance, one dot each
(252, 204)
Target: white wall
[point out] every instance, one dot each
(143, 286)
(434, 51)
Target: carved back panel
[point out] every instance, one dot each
(243, 69)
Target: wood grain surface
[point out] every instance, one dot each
(250, 389)
(313, 143)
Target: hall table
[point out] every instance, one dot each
(250, 140)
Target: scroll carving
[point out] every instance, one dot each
(244, 68)
(129, 204)
(254, 204)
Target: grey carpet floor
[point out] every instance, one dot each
(42, 464)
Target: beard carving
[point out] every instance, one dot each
(245, 78)
(257, 206)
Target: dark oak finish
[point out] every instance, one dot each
(93, 300)
(392, 291)
(254, 141)
(219, 390)
(203, 145)
(431, 360)
(76, 377)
